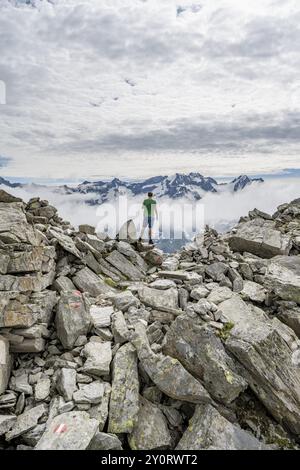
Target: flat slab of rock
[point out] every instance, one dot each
(65, 242)
(26, 421)
(198, 348)
(159, 299)
(260, 237)
(126, 267)
(124, 401)
(283, 277)
(72, 319)
(209, 430)
(167, 373)
(69, 431)
(151, 430)
(87, 281)
(89, 394)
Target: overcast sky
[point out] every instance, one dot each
(99, 88)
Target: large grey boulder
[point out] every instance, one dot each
(264, 350)
(151, 430)
(69, 431)
(124, 401)
(260, 237)
(283, 277)
(209, 430)
(5, 364)
(72, 319)
(167, 372)
(87, 281)
(198, 348)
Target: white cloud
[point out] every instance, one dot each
(128, 87)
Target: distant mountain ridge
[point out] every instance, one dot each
(192, 186)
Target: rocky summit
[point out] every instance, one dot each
(111, 344)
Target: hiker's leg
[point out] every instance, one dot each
(150, 223)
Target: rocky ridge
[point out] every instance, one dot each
(110, 344)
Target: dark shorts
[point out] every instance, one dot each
(148, 221)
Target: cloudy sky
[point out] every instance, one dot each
(99, 88)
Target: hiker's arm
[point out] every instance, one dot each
(155, 211)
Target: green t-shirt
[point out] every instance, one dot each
(149, 207)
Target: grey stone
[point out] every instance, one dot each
(63, 284)
(69, 431)
(264, 350)
(289, 314)
(101, 316)
(126, 267)
(20, 384)
(91, 393)
(210, 430)
(100, 411)
(124, 401)
(216, 270)
(124, 300)
(199, 292)
(219, 294)
(253, 291)
(119, 328)
(198, 348)
(66, 383)
(26, 421)
(87, 281)
(159, 299)
(98, 360)
(6, 423)
(283, 277)
(151, 430)
(14, 227)
(72, 319)
(105, 441)
(65, 242)
(162, 284)
(167, 372)
(260, 237)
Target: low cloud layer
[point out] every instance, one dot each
(124, 87)
(220, 210)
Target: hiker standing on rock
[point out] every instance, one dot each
(150, 212)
